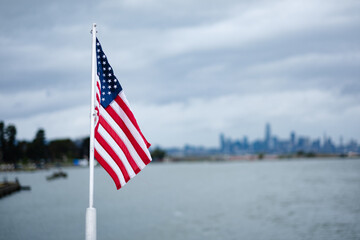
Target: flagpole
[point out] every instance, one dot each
(91, 211)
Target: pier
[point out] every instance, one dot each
(7, 188)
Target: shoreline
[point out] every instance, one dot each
(178, 159)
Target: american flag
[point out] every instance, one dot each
(120, 147)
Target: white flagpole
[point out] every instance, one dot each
(91, 211)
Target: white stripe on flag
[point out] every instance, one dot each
(123, 137)
(130, 126)
(123, 97)
(110, 162)
(117, 150)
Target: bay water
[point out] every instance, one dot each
(261, 200)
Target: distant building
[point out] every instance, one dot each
(268, 142)
(271, 144)
(222, 142)
(292, 140)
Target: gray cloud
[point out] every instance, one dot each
(204, 66)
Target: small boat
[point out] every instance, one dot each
(55, 175)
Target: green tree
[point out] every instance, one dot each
(22, 147)
(158, 154)
(38, 149)
(84, 148)
(10, 153)
(2, 141)
(62, 149)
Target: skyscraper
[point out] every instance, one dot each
(267, 136)
(222, 142)
(292, 138)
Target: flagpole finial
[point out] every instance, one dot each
(93, 26)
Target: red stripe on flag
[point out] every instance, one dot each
(97, 95)
(113, 155)
(120, 143)
(108, 169)
(131, 116)
(128, 134)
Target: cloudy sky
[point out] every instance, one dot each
(190, 69)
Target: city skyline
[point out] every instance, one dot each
(268, 132)
(270, 143)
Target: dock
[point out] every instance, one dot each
(7, 188)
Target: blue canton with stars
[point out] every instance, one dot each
(110, 86)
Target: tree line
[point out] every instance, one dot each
(41, 151)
